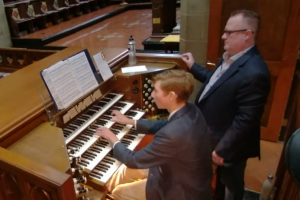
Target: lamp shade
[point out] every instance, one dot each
(292, 154)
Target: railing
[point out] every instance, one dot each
(12, 59)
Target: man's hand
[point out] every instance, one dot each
(188, 59)
(107, 134)
(217, 159)
(120, 118)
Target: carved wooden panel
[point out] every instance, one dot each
(10, 188)
(23, 179)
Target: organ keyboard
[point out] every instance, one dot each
(89, 116)
(109, 165)
(92, 151)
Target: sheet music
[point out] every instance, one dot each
(70, 79)
(102, 65)
(83, 72)
(65, 83)
(52, 89)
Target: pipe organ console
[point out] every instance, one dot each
(67, 161)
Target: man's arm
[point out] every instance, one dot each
(200, 73)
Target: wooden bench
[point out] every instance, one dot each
(18, 20)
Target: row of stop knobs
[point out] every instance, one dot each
(148, 102)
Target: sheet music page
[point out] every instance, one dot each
(83, 72)
(64, 81)
(52, 89)
(102, 66)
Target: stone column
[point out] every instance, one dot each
(5, 40)
(194, 16)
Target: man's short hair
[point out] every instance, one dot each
(252, 18)
(179, 81)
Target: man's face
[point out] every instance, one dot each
(234, 35)
(160, 97)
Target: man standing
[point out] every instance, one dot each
(232, 100)
(179, 157)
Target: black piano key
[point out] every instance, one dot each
(114, 131)
(97, 173)
(111, 96)
(133, 132)
(87, 157)
(131, 113)
(101, 122)
(96, 176)
(78, 143)
(109, 158)
(89, 131)
(95, 149)
(114, 108)
(89, 112)
(66, 130)
(72, 127)
(103, 142)
(91, 154)
(107, 161)
(99, 170)
(81, 163)
(100, 145)
(120, 104)
(129, 137)
(83, 138)
(83, 117)
(125, 142)
(90, 134)
(102, 104)
(84, 161)
(117, 108)
(102, 166)
(105, 99)
(94, 126)
(96, 107)
(66, 133)
(118, 127)
(78, 122)
(106, 117)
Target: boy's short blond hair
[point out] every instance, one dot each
(179, 81)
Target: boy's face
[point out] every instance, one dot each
(160, 97)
